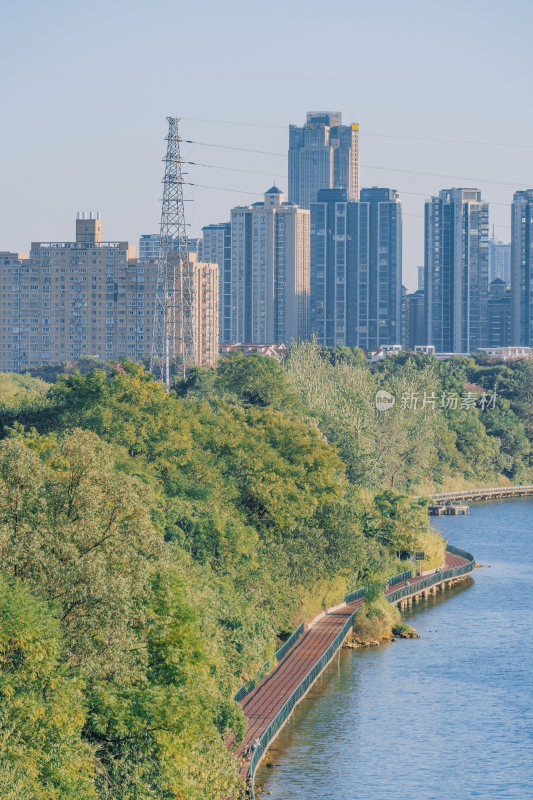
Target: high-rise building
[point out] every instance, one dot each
(499, 260)
(149, 246)
(415, 320)
(88, 297)
(216, 248)
(499, 314)
(269, 271)
(456, 270)
(522, 268)
(205, 310)
(420, 282)
(323, 154)
(356, 268)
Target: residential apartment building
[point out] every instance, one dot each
(323, 154)
(215, 247)
(356, 268)
(456, 270)
(205, 310)
(270, 261)
(149, 246)
(415, 320)
(499, 329)
(522, 268)
(87, 297)
(499, 260)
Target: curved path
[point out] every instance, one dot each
(262, 703)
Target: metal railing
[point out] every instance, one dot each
(351, 597)
(402, 576)
(276, 723)
(503, 490)
(436, 577)
(286, 646)
(284, 712)
(268, 665)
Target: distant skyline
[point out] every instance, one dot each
(85, 92)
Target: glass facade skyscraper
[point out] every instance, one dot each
(323, 154)
(522, 268)
(456, 270)
(356, 268)
(499, 260)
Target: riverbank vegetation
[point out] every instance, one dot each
(375, 620)
(156, 549)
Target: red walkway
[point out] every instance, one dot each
(264, 701)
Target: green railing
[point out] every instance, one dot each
(267, 666)
(502, 490)
(436, 577)
(402, 576)
(284, 712)
(286, 646)
(351, 597)
(269, 733)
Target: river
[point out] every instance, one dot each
(448, 716)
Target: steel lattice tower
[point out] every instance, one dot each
(173, 330)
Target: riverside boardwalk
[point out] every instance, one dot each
(473, 495)
(270, 702)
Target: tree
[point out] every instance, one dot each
(79, 535)
(42, 708)
(256, 380)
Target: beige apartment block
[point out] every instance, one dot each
(270, 271)
(88, 297)
(203, 277)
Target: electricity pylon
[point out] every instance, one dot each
(173, 330)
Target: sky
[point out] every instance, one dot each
(441, 91)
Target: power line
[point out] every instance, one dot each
(261, 194)
(231, 147)
(371, 135)
(254, 172)
(369, 166)
(230, 169)
(223, 189)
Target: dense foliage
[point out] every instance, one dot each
(453, 422)
(155, 549)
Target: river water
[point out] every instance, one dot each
(448, 716)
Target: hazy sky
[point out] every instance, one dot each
(437, 87)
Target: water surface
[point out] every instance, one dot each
(447, 716)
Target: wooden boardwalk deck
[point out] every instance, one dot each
(262, 703)
(473, 495)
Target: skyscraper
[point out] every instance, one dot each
(415, 322)
(456, 270)
(356, 268)
(216, 247)
(522, 268)
(499, 260)
(269, 271)
(499, 314)
(323, 154)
